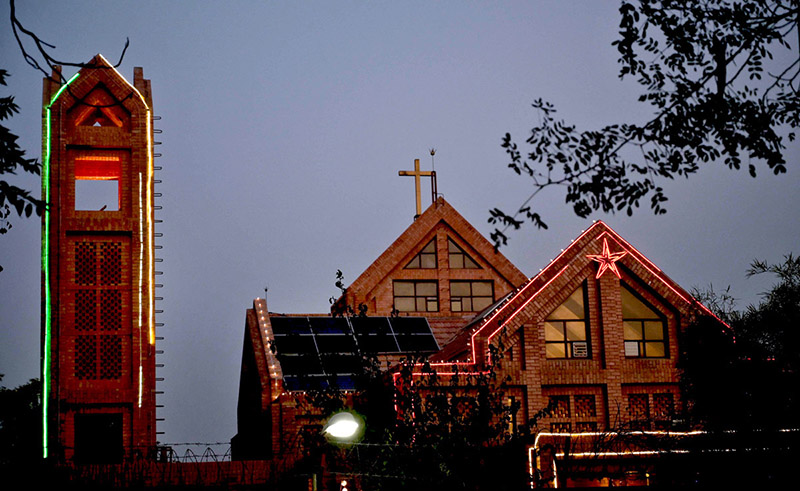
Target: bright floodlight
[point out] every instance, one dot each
(342, 425)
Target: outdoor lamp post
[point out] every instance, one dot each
(342, 428)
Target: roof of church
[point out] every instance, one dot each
(593, 245)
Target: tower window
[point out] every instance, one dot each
(565, 330)
(98, 183)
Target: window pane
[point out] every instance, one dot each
(455, 305)
(433, 305)
(430, 248)
(633, 308)
(404, 304)
(403, 288)
(555, 350)
(554, 331)
(576, 331)
(428, 260)
(572, 308)
(482, 288)
(459, 289)
(655, 349)
(469, 263)
(427, 288)
(421, 304)
(632, 329)
(481, 303)
(456, 261)
(631, 348)
(653, 330)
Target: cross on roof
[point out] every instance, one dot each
(418, 184)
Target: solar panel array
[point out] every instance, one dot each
(316, 352)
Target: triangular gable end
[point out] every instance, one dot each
(599, 255)
(447, 294)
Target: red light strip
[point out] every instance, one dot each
(608, 233)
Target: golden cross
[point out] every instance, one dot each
(417, 183)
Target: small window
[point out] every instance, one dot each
(426, 259)
(416, 296)
(97, 184)
(643, 328)
(471, 296)
(565, 330)
(458, 258)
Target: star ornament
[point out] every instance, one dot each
(607, 260)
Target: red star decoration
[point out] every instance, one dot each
(607, 260)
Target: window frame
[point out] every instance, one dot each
(640, 323)
(569, 345)
(471, 295)
(416, 296)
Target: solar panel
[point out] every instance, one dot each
(317, 352)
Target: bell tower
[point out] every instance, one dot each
(98, 303)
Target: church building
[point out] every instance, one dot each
(595, 337)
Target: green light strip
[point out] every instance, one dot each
(46, 269)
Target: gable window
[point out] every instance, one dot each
(416, 296)
(643, 328)
(458, 258)
(471, 296)
(565, 330)
(426, 259)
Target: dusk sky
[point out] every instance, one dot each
(284, 126)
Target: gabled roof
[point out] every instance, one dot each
(471, 343)
(439, 214)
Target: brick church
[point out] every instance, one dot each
(594, 336)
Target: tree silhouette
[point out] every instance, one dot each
(722, 80)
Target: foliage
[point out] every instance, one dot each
(12, 158)
(753, 383)
(424, 428)
(20, 423)
(721, 79)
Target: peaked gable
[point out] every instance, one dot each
(415, 275)
(599, 253)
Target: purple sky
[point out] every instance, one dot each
(285, 124)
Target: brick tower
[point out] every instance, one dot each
(98, 312)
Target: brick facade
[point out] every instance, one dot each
(98, 343)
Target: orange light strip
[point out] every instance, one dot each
(151, 271)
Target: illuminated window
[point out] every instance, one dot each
(644, 329)
(416, 296)
(565, 330)
(458, 258)
(426, 259)
(471, 296)
(98, 184)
